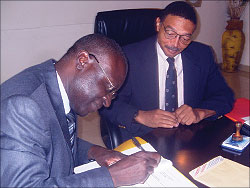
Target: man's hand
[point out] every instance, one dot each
(187, 115)
(134, 169)
(103, 156)
(157, 118)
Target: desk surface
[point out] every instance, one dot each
(191, 146)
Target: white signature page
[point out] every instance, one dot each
(165, 175)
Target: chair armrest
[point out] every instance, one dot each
(110, 133)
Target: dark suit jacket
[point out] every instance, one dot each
(35, 146)
(204, 86)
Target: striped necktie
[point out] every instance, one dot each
(171, 100)
(72, 127)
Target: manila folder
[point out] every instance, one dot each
(226, 173)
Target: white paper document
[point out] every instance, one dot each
(165, 175)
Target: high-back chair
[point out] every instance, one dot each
(125, 27)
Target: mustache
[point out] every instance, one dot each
(172, 48)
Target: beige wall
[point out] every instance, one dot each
(245, 55)
(34, 31)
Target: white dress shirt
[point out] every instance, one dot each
(162, 72)
(63, 94)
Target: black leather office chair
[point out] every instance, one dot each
(125, 27)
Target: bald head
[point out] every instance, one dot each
(96, 44)
(88, 70)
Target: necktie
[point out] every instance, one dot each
(72, 126)
(171, 103)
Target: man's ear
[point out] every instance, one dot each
(82, 59)
(158, 24)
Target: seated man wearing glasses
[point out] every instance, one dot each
(172, 80)
(39, 144)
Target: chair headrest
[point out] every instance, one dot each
(128, 25)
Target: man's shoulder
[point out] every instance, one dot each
(46, 65)
(198, 49)
(25, 82)
(32, 71)
(198, 46)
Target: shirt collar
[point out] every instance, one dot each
(63, 94)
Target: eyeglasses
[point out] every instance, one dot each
(170, 34)
(111, 87)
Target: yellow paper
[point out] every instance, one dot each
(129, 144)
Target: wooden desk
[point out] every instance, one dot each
(191, 146)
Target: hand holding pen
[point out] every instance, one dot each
(134, 168)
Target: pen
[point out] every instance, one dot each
(137, 144)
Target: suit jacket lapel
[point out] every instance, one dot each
(191, 75)
(56, 99)
(151, 67)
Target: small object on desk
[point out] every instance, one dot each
(239, 146)
(245, 130)
(236, 136)
(137, 143)
(234, 152)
